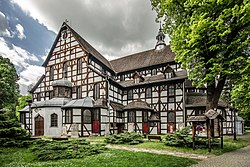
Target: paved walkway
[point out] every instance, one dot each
(238, 158)
(174, 153)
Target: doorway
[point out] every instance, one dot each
(39, 126)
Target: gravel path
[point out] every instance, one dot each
(174, 153)
(238, 158)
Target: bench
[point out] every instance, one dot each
(59, 138)
(154, 138)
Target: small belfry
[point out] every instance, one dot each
(160, 44)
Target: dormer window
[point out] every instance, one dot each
(169, 72)
(137, 78)
(154, 72)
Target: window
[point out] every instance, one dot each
(171, 99)
(145, 116)
(60, 91)
(171, 117)
(51, 73)
(53, 119)
(22, 118)
(130, 94)
(168, 75)
(87, 116)
(38, 96)
(131, 116)
(79, 66)
(119, 114)
(171, 90)
(65, 70)
(148, 93)
(68, 116)
(154, 72)
(78, 92)
(137, 80)
(96, 114)
(121, 77)
(96, 91)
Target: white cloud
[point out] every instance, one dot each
(31, 74)
(21, 59)
(20, 31)
(109, 26)
(4, 32)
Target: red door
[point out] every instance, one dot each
(96, 121)
(145, 122)
(145, 128)
(39, 126)
(96, 126)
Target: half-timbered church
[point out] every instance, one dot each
(82, 93)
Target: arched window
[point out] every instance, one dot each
(65, 70)
(51, 73)
(53, 119)
(148, 93)
(79, 66)
(130, 94)
(87, 116)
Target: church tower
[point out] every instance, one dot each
(160, 40)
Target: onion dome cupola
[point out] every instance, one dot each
(160, 44)
(62, 88)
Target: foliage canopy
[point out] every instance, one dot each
(8, 85)
(210, 39)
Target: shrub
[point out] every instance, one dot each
(11, 132)
(126, 137)
(179, 138)
(51, 150)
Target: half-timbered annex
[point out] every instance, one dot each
(84, 94)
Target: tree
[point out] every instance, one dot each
(22, 102)
(8, 86)
(210, 39)
(241, 96)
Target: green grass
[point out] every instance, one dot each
(19, 157)
(229, 145)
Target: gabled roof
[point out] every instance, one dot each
(90, 49)
(143, 59)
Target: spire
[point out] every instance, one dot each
(160, 44)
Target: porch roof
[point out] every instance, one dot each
(25, 109)
(137, 105)
(55, 102)
(86, 102)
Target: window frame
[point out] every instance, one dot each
(54, 120)
(69, 116)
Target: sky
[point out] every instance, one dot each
(115, 28)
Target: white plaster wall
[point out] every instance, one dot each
(45, 113)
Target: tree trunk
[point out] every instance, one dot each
(213, 93)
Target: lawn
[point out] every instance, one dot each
(229, 145)
(20, 157)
